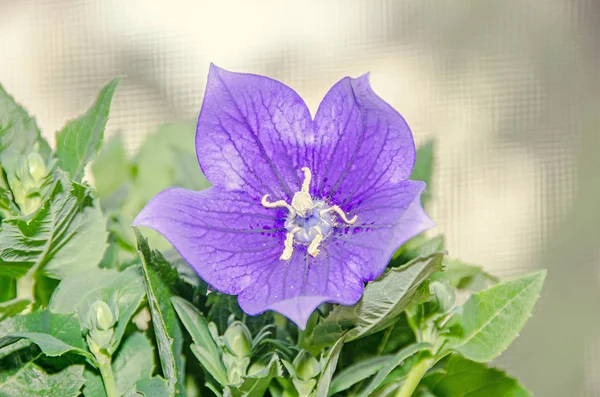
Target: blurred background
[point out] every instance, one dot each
(509, 89)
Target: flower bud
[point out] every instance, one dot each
(238, 340)
(37, 167)
(100, 316)
(304, 387)
(443, 295)
(306, 366)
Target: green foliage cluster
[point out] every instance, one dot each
(87, 307)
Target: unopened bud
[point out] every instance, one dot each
(37, 167)
(238, 340)
(443, 295)
(306, 366)
(101, 316)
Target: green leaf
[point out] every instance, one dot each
(397, 359)
(157, 161)
(78, 291)
(23, 378)
(80, 139)
(462, 377)
(157, 273)
(111, 168)
(165, 159)
(204, 347)
(256, 385)
(358, 372)
(464, 276)
(153, 387)
(382, 302)
(423, 170)
(133, 362)
(19, 133)
(420, 245)
(323, 385)
(8, 289)
(492, 318)
(13, 307)
(66, 234)
(6, 209)
(55, 334)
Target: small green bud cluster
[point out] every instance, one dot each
(429, 320)
(304, 370)
(236, 355)
(27, 182)
(443, 295)
(99, 323)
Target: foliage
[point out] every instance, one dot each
(89, 306)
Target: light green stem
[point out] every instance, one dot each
(108, 377)
(414, 377)
(384, 341)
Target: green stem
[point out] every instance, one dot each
(108, 377)
(414, 377)
(384, 341)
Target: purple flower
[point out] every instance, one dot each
(303, 211)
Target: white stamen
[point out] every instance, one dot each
(288, 247)
(342, 215)
(313, 247)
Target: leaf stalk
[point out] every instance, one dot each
(414, 377)
(108, 377)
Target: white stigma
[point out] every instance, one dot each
(299, 221)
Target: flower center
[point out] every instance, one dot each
(309, 221)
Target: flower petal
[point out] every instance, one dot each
(296, 287)
(252, 132)
(227, 237)
(363, 144)
(386, 220)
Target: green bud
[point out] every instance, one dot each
(100, 316)
(238, 340)
(304, 387)
(443, 295)
(306, 366)
(37, 167)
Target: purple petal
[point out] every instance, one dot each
(227, 237)
(386, 220)
(363, 144)
(296, 287)
(252, 134)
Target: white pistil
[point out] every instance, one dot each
(302, 206)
